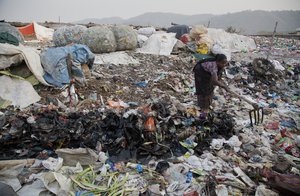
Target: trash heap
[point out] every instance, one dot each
(133, 128)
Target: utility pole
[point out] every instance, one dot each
(208, 24)
(272, 40)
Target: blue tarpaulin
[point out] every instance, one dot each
(54, 61)
(179, 30)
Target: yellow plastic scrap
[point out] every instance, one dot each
(202, 49)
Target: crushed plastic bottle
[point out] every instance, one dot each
(189, 177)
(139, 168)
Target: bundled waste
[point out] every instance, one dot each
(100, 39)
(125, 36)
(68, 35)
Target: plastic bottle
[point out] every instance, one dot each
(139, 168)
(189, 177)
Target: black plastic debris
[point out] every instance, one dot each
(162, 166)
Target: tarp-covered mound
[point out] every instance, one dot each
(218, 41)
(179, 30)
(231, 41)
(126, 37)
(159, 44)
(54, 61)
(100, 39)
(66, 35)
(16, 83)
(14, 55)
(40, 32)
(6, 27)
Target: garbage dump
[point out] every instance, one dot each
(134, 128)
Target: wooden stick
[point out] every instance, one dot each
(244, 177)
(11, 163)
(272, 41)
(242, 97)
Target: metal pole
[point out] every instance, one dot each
(272, 40)
(208, 24)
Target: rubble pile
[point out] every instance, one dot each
(133, 126)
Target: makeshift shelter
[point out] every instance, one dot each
(41, 33)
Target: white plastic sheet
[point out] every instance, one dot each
(277, 65)
(85, 156)
(219, 49)
(116, 58)
(231, 41)
(42, 33)
(9, 176)
(159, 44)
(147, 31)
(19, 92)
(30, 56)
(53, 182)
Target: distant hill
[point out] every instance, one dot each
(110, 20)
(249, 22)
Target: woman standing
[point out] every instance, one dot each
(207, 76)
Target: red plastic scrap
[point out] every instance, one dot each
(192, 193)
(272, 126)
(285, 183)
(150, 124)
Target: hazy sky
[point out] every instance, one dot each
(73, 10)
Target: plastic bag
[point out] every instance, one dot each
(285, 144)
(147, 31)
(202, 49)
(141, 40)
(218, 49)
(185, 38)
(117, 104)
(197, 32)
(150, 124)
(272, 126)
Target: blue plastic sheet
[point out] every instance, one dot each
(54, 61)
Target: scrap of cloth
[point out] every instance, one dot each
(8, 38)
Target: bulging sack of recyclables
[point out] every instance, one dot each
(126, 37)
(100, 39)
(67, 35)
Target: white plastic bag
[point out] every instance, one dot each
(218, 49)
(147, 31)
